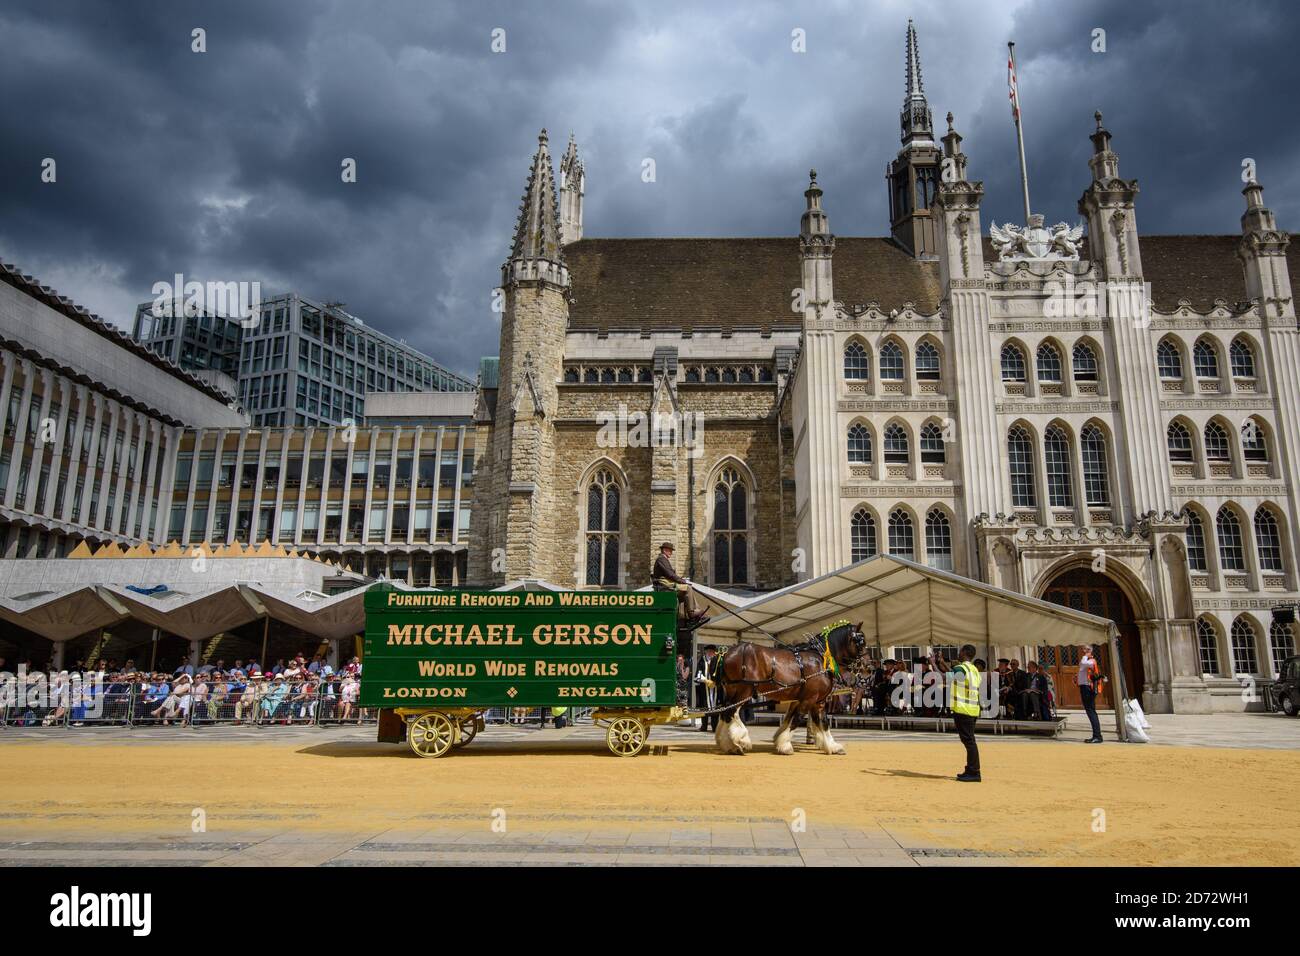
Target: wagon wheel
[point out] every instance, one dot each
(431, 734)
(468, 728)
(626, 736)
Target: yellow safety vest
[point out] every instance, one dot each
(965, 690)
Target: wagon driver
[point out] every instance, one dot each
(666, 578)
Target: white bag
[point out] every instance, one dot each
(1133, 722)
(1141, 716)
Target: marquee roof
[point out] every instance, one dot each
(900, 602)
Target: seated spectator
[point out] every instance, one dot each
(157, 692)
(199, 697)
(220, 691)
(349, 690)
(249, 702)
(1035, 697)
(177, 703)
(273, 699)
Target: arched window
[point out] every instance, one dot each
(1049, 363)
(896, 449)
(1244, 660)
(1281, 645)
(730, 529)
(891, 362)
(862, 535)
(901, 539)
(1096, 478)
(1207, 644)
(1197, 559)
(1056, 452)
(1241, 358)
(927, 362)
(1085, 363)
(1013, 363)
(859, 445)
(1180, 442)
(1205, 360)
(1216, 442)
(1020, 453)
(1254, 444)
(932, 450)
(1168, 361)
(1232, 556)
(1268, 543)
(938, 540)
(603, 529)
(857, 365)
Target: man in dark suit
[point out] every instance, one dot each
(1019, 682)
(666, 578)
(1036, 695)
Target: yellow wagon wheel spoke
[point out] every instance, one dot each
(626, 736)
(431, 735)
(468, 728)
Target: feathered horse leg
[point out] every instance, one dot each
(783, 734)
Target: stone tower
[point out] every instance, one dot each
(914, 173)
(513, 517)
(818, 531)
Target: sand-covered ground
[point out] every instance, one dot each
(1055, 801)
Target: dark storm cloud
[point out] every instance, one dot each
(226, 165)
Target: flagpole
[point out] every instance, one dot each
(1020, 133)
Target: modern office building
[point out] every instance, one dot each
(211, 533)
(302, 363)
(390, 499)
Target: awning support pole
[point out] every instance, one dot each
(266, 626)
(1117, 677)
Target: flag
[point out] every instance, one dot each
(1013, 92)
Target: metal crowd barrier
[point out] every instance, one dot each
(141, 706)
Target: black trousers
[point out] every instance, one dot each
(1090, 707)
(966, 731)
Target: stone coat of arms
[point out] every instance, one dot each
(1036, 241)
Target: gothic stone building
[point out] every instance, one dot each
(1112, 423)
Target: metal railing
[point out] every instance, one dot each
(136, 705)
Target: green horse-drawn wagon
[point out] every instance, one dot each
(436, 661)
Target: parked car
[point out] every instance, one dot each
(1286, 689)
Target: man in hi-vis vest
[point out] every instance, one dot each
(965, 704)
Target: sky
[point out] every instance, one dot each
(226, 165)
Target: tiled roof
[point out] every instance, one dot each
(1199, 269)
(747, 283)
(729, 283)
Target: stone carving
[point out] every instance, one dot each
(1036, 241)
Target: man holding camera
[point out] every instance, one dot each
(965, 704)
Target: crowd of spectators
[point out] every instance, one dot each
(297, 691)
(890, 687)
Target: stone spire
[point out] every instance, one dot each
(1108, 204)
(816, 246)
(573, 185)
(537, 252)
(915, 118)
(1263, 252)
(913, 174)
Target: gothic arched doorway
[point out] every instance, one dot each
(1086, 590)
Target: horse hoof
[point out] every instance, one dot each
(785, 748)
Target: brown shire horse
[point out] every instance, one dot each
(796, 674)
